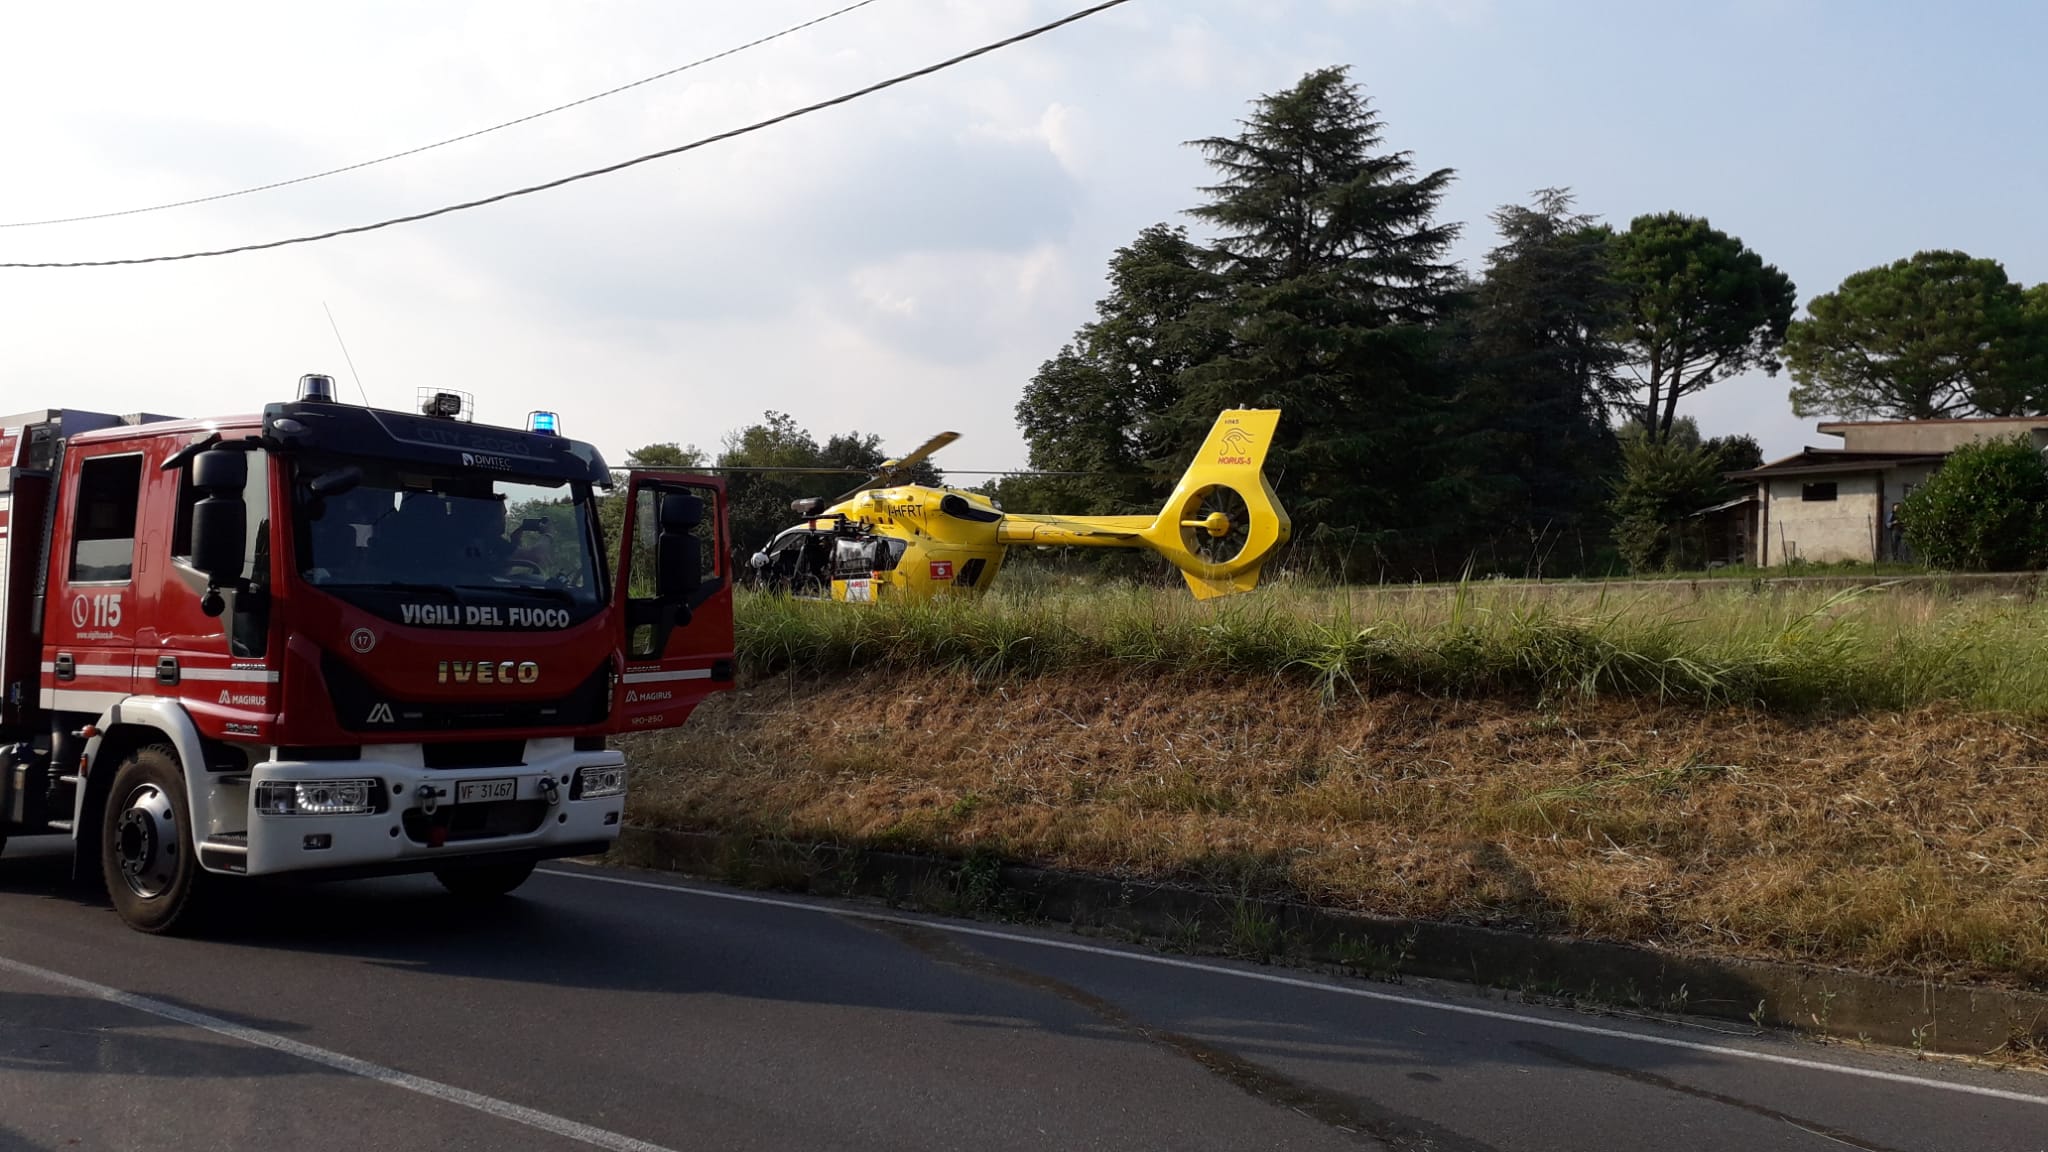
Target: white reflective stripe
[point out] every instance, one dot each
(238, 675)
(657, 677)
(77, 700)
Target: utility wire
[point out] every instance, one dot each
(452, 139)
(806, 110)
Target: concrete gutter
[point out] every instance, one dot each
(1825, 1003)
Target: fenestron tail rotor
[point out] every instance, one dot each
(1223, 522)
(1216, 524)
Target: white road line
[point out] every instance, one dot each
(489, 1105)
(853, 913)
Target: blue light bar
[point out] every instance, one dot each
(544, 423)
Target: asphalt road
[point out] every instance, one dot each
(629, 1011)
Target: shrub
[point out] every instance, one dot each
(1661, 483)
(1986, 509)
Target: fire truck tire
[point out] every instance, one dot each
(147, 855)
(484, 881)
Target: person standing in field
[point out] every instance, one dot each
(1895, 532)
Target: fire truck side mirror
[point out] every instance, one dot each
(219, 520)
(220, 470)
(680, 512)
(678, 559)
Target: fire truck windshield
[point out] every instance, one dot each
(402, 526)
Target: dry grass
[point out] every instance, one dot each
(1901, 842)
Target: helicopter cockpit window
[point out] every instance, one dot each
(892, 554)
(855, 559)
(799, 561)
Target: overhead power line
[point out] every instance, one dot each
(791, 30)
(758, 125)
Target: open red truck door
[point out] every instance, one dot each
(675, 583)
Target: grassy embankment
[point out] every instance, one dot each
(1857, 779)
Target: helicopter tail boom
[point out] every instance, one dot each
(1072, 531)
(1219, 527)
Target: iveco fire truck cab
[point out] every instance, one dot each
(335, 640)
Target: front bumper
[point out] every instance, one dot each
(420, 824)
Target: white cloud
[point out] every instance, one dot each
(1065, 130)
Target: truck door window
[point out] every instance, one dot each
(710, 558)
(103, 527)
(640, 574)
(640, 570)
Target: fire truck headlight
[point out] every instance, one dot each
(316, 797)
(594, 782)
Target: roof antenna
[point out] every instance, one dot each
(344, 352)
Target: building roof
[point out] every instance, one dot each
(1829, 426)
(1723, 506)
(1835, 461)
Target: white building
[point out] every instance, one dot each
(1830, 504)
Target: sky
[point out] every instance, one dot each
(900, 265)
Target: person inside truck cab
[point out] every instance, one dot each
(532, 549)
(476, 530)
(341, 534)
(414, 542)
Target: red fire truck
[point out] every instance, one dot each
(334, 640)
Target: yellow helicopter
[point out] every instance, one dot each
(889, 540)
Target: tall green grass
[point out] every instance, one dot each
(1887, 647)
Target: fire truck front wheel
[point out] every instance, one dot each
(146, 849)
(484, 881)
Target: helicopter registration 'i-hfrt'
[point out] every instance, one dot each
(890, 540)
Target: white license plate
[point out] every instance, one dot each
(485, 791)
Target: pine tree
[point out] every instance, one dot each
(1938, 335)
(1335, 273)
(1699, 307)
(1541, 372)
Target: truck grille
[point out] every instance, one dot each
(356, 699)
(474, 754)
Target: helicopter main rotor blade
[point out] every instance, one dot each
(918, 454)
